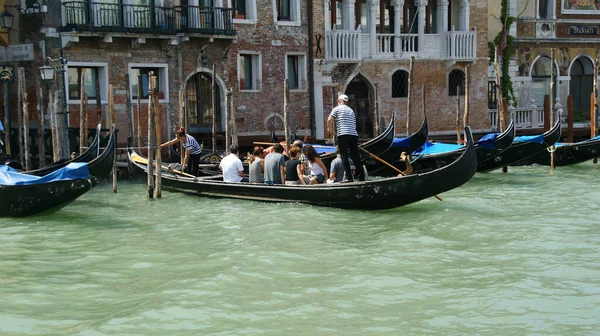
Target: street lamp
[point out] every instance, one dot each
(47, 72)
(6, 20)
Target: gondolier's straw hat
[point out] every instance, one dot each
(343, 97)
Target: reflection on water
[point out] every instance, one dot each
(508, 253)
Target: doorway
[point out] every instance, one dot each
(358, 94)
(581, 87)
(199, 105)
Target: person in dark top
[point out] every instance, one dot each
(193, 150)
(292, 168)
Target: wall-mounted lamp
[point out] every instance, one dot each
(32, 9)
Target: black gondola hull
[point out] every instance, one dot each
(371, 195)
(568, 154)
(518, 151)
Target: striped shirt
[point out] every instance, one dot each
(192, 145)
(345, 120)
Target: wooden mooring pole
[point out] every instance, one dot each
(112, 123)
(158, 125)
(552, 83)
(286, 114)
(227, 121)
(82, 125)
(594, 115)
(25, 106)
(409, 98)
(41, 122)
(466, 114)
(457, 122)
(151, 131)
(138, 112)
(20, 117)
(214, 117)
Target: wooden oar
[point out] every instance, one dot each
(142, 160)
(389, 165)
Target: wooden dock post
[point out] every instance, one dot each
(82, 125)
(112, 123)
(181, 124)
(7, 118)
(129, 111)
(139, 113)
(286, 114)
(552, 83)
(157, 123)
(40, 116)
(25, 102)
(98, 102)
(409, 98)
(227, 120)
(214, 117)
(151, 131)
(20, 90)
(376, 110)
(594, 117)
(467, 100)
(457, 123)
(233, 112)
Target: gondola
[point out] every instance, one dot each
(375, 194)
(88, 155)
(399, 145)
(23, 195)
(435, 155)
(522, 148)
(566, 154)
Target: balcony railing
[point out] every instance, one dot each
(343, 45)
(354, 46)
(105, 17)
(532, 117)
(460, 44)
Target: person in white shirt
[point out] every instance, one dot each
(231, 165)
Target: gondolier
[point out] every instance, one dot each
(192, 151)
(347, 136)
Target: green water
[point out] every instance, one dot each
(506, 254)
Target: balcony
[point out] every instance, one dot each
(355, 46)
(528, 117)
(87, 16)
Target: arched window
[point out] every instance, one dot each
(400, 84)
(540, 80)
(456, 81)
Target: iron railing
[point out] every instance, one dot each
(105, 17)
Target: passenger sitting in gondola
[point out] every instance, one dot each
(257, 166)
(293, 169)
(231, 165)
(317, 167)
(193, 150)
(337, 171)
(275, 166)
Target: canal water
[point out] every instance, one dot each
(515, 253)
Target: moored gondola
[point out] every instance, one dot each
(24, 195)
(375, 194)
(435, 155)
(522, 148)
(566, 154)
(88, 155)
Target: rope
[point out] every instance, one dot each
(550, 150)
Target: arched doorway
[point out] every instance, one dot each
(199, 105)
(358, 93)
(581, 87)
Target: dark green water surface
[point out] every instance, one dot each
(506, 254)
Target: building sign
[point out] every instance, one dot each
(16, 53)
(583, 30)
(575, 30)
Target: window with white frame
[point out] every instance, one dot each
(249, 74)
(91, 73)
(286, 11)
(295, 71)
(244, 11)
(139, 79)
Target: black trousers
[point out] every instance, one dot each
(192, 165)
(349, 144)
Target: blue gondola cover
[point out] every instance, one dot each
(530, 138)
(73, 171)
